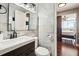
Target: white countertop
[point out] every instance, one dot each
(11, 44)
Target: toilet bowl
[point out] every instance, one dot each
(41, 51)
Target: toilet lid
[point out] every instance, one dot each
(42, 51)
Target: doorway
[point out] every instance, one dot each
(66, 32)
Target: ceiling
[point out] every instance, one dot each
(67, 7)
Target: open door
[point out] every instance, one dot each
(59, 35)
(59, 28)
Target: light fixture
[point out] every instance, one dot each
(27, 5)
(33, 5)
(64, 18)
(61, 4)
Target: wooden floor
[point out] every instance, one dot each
(67, 50)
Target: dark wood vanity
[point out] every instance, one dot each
(25, 50)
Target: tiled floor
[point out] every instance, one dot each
(67, 50)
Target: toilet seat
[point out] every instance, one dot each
(40, 51)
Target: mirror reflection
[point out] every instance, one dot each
(18, 20)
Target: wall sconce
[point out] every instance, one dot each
(3, 8)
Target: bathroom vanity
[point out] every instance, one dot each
(25, 50)
(21, 46)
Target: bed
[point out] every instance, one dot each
(69, 35)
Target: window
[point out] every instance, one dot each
(69, 22)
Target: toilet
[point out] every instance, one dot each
(41, 51)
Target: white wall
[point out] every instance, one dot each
(46, 13)
(71, 11)
(33, 21)
(20, 20)
(3, 19)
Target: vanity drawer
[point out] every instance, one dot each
(22, 51)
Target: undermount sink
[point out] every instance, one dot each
(12, 42)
